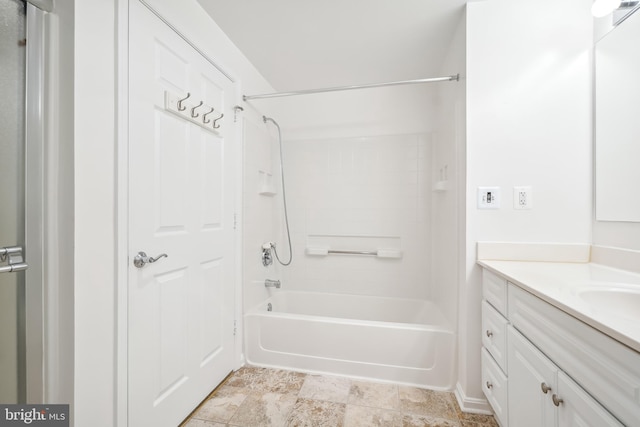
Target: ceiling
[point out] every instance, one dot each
(300, 44)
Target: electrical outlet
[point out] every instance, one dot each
(488, 197)
(522, 198)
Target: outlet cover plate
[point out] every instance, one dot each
(522, 198)
(488, 197)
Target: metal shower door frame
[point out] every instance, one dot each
(34, 201)
(30, 211)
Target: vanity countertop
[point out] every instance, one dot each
(603, 297)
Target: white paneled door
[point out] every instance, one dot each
(181, 203)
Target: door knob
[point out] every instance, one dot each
(141, 259)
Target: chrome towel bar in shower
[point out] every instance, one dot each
(380, 253)
(332, 251)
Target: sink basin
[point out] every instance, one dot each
(622, 302)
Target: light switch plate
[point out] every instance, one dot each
(488, 197)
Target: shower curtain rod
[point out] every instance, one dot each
(341, 88)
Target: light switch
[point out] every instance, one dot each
(488, 197)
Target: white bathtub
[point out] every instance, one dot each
(385, 339)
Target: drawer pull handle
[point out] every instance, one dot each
(556, 400)
(490, 386)
(545, 388)
(489, 333)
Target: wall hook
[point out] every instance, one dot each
(204, 116)
(235, 112)
(180, 106)
(193, 110)
(215, 125)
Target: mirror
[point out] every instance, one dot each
(617, 123)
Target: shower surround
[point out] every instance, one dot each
(362, 316)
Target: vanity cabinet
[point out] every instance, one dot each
(494, 344)
(542, 367)
(543, 395)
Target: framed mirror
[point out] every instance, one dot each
(617, 123)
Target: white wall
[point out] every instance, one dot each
(364, 112)
(448, 160)
(94, 254)
(529, 106)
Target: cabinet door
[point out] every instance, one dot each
(532, 382)
(577, 408)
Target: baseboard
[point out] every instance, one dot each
(471, 405)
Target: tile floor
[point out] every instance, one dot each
(259, 397)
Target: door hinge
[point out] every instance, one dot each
(235, 327)
(235, 221)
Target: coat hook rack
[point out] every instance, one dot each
(193, 110)
(215, 125)
(235, 112)
(204, 116)
(190, 111)
(180, 106)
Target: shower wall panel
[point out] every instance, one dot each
(365, 193)
(259, 207)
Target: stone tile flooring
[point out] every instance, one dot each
(259, 397)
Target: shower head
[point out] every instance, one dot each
(269, 119)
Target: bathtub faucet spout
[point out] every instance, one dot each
(272, 283)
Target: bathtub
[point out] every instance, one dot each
(382, 339)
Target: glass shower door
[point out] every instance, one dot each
(12, 197)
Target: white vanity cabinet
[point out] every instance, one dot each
(494, 342)
(542, 395)
(543, 367)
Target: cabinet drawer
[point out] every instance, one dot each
(495, 387)
(609, 370)
(494, 334)
(494, 290)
